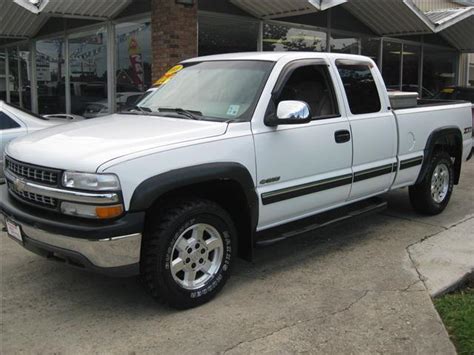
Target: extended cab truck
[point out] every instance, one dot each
(230, 151)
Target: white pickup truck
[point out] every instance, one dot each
(230, 151)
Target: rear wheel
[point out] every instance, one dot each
(188, 253)
(432, 194)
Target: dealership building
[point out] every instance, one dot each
(92, 56)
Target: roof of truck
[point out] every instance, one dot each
(275, 56)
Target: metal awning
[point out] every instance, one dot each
(391, 17)
(17, 22)
(385, 18)
(268, 9)
(95, 9)
(456, 26)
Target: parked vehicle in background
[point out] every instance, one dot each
(228, 152)
(464, 93)
(16, 122)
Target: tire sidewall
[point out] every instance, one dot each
(224, 226)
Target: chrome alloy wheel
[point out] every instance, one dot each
(196, 256)
(440, 183)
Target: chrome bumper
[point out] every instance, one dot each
(101, 253)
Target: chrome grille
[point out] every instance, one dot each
(32, 173)
(41, 200)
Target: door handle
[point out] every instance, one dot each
(342, 136)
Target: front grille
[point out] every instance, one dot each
(32, 172)
(40, 200)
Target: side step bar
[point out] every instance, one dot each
(362, 208)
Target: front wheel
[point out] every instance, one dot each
(432, 194)
(188, 253)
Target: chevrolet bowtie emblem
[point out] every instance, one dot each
(19, 184)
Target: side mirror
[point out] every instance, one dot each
(293, 110)
(289, 112)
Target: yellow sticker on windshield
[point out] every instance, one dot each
(168, 75)
(447, 91)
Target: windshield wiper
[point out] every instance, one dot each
(194, 115)
(141, 109)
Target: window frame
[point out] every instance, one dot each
(285, 76)
(370, 66)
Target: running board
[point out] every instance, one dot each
(362, 208)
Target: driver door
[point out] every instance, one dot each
(303, 169)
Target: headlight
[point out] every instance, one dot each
(93, 182)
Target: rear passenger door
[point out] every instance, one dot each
(373, 126)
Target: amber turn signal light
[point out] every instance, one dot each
(105, 212)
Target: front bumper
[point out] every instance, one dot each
(111, 247)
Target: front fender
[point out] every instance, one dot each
(153, 188)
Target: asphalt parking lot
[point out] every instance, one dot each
(350, 288)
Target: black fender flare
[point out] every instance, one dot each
(438, 135)
(155, 187)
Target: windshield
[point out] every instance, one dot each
(222, 90)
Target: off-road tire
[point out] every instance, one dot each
(420, 194)
(164, 227)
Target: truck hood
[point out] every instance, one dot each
(85, 145)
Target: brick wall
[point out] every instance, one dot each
(174, 34)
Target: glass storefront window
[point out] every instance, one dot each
(13, 67)
(88, 73)
(370, 47)
(411, 66)
(391, 64)
(278, 37)
(439, 69)
(344, 44)
(3, 78)
(50, 76)
(25, 79)
(224, 34)
(470, 77)
(134, 58)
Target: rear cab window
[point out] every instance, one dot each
(360, 87)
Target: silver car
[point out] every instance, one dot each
(15, 122)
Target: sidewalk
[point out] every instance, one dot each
(445, 259)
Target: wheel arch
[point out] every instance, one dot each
(447, 139)
(229, 184)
